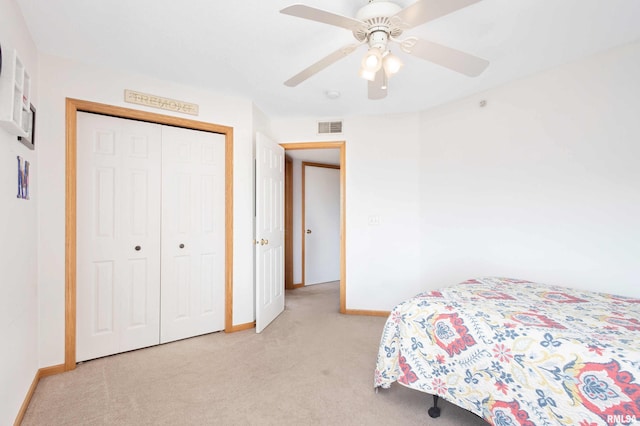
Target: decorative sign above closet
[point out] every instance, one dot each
(154, 101)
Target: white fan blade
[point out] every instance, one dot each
(424, 11)
(378, 87)
(318, 15)
(320, 65)
(447, 57)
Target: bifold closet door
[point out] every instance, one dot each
(193, 233)
(118, 235)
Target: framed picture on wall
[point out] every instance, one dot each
(30, 140)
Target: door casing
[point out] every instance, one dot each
(341, 145)
(288, 224)
(72, 108)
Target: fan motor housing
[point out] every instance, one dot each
(377, 17)
(377, 9)
(378, 39)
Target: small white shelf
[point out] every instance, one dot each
(15, 95)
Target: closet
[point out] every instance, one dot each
(150, 234)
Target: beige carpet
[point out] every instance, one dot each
(310, 366)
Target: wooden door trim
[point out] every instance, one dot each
(341, 145)
(73, 106)
(304, 211)
(288, 223)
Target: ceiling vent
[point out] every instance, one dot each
(329, 127)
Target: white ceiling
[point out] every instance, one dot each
(323, 156)
(247, 48)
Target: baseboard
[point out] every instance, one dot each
(298, 285)
(50, 371)
(42, 372)
(367, 313)
(241, 327)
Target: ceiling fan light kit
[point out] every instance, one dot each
(380, 22)
(372, 61)
(391, 63)
(367, 75)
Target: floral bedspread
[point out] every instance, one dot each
(517, 352)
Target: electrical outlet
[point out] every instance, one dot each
(374, 220)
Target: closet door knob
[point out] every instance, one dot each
(138, 248)
(181, 246)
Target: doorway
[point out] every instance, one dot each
(289, 226)
(73, 106)
(320, 223)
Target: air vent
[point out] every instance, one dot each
(329, 127)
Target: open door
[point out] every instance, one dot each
(269, 239)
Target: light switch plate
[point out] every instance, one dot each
(374, 220)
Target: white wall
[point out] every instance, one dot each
(18, 234)
(542, 184)
(61, 78)
(382, 179)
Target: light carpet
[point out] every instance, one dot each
(311, 366)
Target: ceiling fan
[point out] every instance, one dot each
(378, 24)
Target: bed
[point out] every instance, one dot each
(518, 352)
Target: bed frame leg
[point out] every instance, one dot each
(435, 410)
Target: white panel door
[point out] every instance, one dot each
(269, 231)
(118, 235)
(193, 233)
(322, 224)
